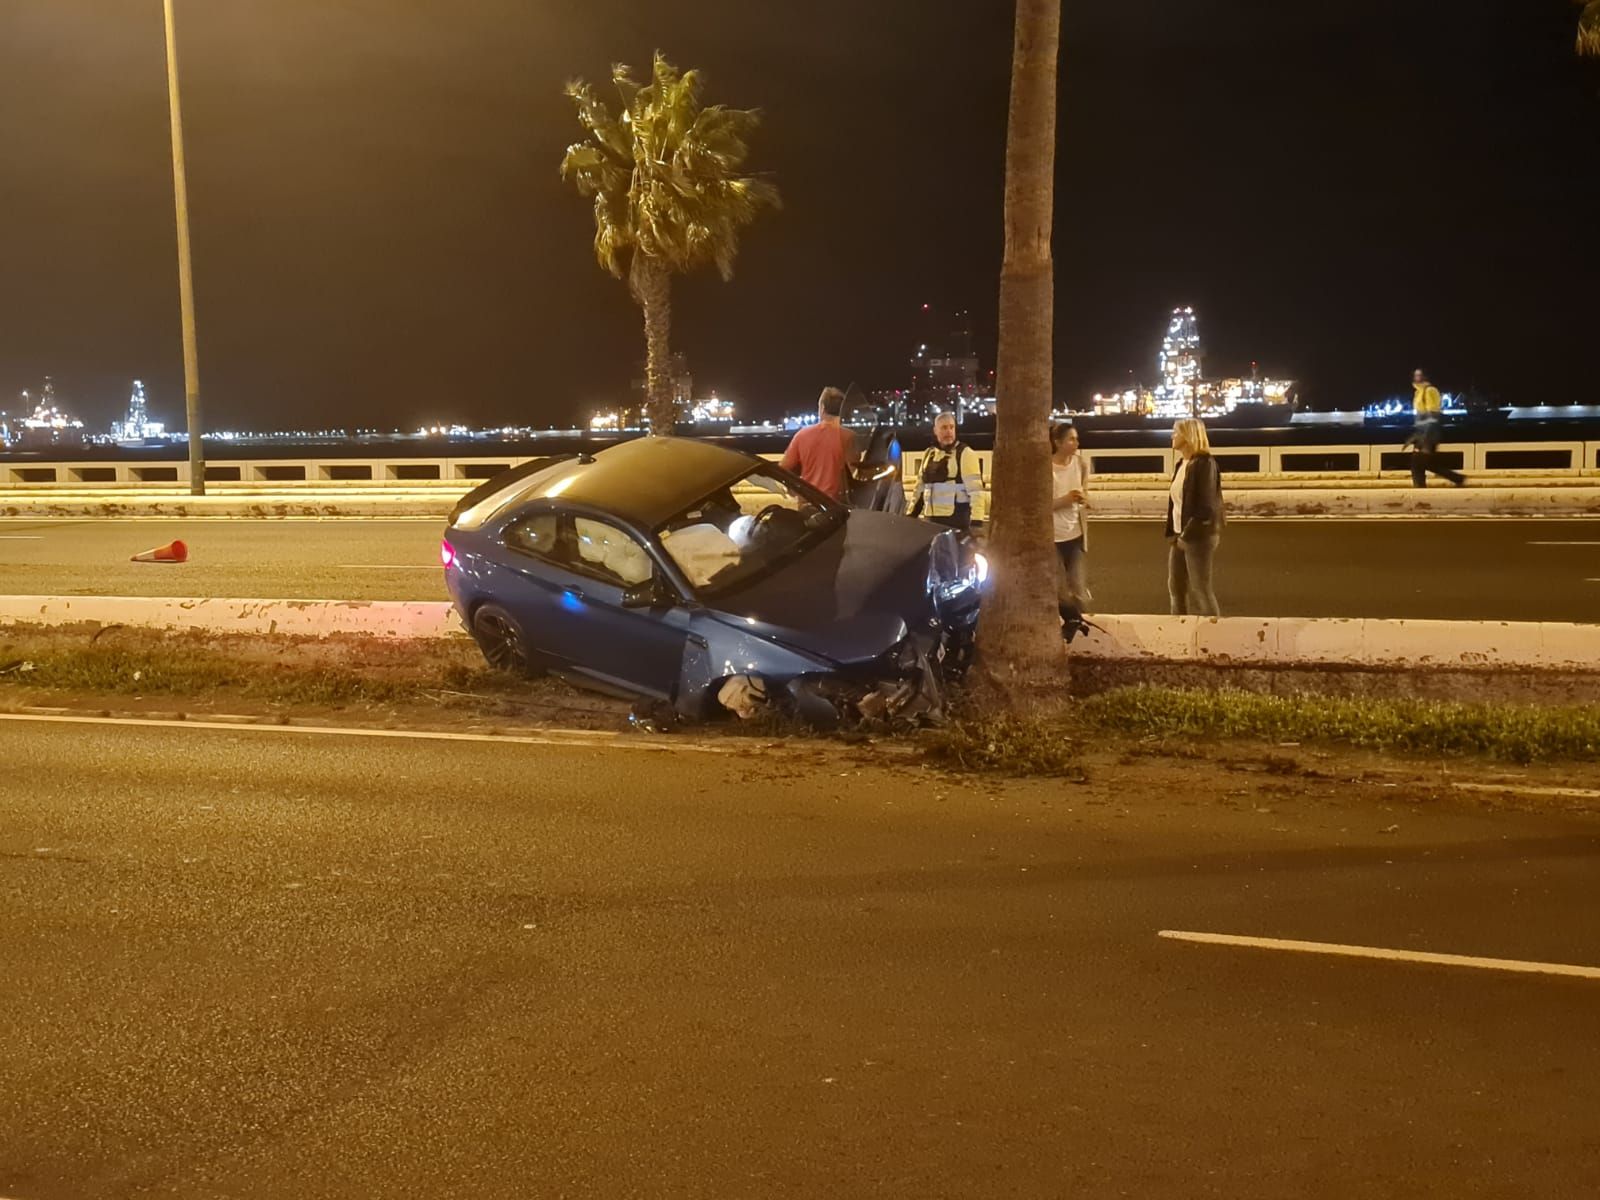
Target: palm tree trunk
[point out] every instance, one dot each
(652, 288)
(1019, 641)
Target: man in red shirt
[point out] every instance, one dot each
(821, 453)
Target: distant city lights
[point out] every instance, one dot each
(701, 414)
(1400, 406)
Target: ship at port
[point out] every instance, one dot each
(1183, 390)
(136, 428)
(43, 423)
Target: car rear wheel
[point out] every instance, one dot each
(504, 645)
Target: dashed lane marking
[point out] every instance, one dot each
(570, 738)
(1527, 790)
(1378, 952)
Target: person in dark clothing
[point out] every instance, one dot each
(1194, 522)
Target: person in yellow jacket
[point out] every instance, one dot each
(1427, 409)
(1426, 403)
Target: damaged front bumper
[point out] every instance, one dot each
(906, 687)
(751, 674)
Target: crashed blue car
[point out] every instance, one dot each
(702, 578)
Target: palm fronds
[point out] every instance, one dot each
(665, 171)
(1589, 29)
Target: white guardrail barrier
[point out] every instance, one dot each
(1287, 463)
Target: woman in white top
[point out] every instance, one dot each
(1070, 477)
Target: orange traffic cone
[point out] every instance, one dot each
(171, 552)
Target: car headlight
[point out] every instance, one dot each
(980, 562)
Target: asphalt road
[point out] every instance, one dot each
(1457, 569)
(268, 964)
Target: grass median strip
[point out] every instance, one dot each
(1513, 732)
(293, 674)
(1047, 742)
(282, 673)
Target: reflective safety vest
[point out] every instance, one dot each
(948, 479)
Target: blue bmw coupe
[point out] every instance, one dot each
(662, 568)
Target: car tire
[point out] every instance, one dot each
(504, 643)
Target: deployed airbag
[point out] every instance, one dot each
(701, 552)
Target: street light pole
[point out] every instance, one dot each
(180, 188)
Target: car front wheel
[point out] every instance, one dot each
(504, 645)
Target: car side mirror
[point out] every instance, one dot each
(652, 593)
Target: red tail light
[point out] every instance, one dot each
(447, 554)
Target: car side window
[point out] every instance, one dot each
(609, 553)
(538, 535)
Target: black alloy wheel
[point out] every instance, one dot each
(501, 639)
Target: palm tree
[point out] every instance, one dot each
(1020, 647)
(1589, 28)
(668, 196)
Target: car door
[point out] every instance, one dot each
(638, 648)
(538, 585)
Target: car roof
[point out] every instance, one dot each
(646, 481)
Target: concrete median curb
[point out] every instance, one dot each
(394, 619)
(1345, 642)
(1230, 641)
(1122, 501)
(1485, 501)
(253, 507)
(1348, 502)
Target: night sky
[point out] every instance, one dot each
(1342, 191)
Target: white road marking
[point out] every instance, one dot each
(1525, 790)
(20, 537)
(1416, 956)
(1564, 543)
(577, 738)
(389, 567)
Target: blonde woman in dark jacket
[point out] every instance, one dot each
(1194, 522)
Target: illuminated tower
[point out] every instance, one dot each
(46, 408)
(134, 425)
(944, 368)
(136, 411)
(1181, 355)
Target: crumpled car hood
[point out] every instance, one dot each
(849, 598)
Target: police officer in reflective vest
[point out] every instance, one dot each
(948, 478)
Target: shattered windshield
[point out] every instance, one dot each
(744, 529)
